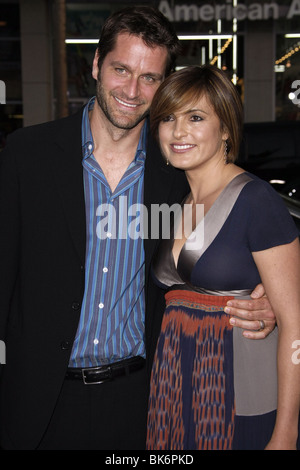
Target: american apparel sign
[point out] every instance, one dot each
(227, 10)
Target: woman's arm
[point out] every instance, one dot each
(279, 268)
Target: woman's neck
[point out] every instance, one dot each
(207, 183)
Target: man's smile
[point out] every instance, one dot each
(128, 105)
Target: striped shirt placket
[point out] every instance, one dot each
(111, 325)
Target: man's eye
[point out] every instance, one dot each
(120, 70)
(149, 79)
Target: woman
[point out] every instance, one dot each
(211, 388)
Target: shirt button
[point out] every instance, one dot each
(105, 270)
(65, 345)
(108, 235)
(75, 305)
(96, 341)
(101, 305)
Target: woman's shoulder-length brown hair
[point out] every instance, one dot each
(187, 86)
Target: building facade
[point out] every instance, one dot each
(256, 42)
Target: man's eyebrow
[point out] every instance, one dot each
(116, 63)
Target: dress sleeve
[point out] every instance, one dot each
(270, 222)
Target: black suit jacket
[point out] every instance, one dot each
(42, 257)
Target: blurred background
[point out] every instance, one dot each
(47, 48)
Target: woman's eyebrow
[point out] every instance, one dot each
(195, 110)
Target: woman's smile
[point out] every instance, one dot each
(179, 148)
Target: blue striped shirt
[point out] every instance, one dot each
(111, 325)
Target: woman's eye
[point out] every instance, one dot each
(168, 118)
(196, 118)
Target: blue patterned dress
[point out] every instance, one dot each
(212, 389)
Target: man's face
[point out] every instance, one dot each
(129, 77)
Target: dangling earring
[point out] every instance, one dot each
(167, 162)
(225, 152)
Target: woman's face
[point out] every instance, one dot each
(192, 137)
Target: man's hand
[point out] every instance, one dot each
(255, 316)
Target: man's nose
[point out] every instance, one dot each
(132, 88)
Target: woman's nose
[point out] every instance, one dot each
(179, 129)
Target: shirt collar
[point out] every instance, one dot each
(140, 155)
(87, 137)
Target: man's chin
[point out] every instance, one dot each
(118, 119)
(127, 123)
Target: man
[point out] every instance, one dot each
(72, 289)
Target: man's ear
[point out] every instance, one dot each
(95, 69)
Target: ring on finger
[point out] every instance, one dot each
(262, 325)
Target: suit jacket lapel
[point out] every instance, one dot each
(68, 173)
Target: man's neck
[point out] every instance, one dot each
(107, 136)
(114, 148)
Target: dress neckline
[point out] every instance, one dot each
(192, 234)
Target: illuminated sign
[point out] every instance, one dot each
(228, 11)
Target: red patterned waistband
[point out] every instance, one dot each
(192, 296)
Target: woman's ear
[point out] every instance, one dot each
(225, 135)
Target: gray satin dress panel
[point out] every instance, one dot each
(255, 366)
